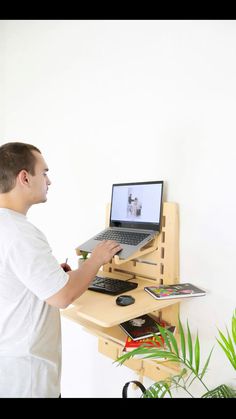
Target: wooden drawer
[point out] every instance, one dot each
(114, 350)
(109, 348)
(147, 368)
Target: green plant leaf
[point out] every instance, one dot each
(157, 342)
(190, 345)
(231, 357)
(197, 355)
(173, 342)
(220, 392)
(157, 390)
(195, 377)
(169, 340)
(234, 327)
(182, 340)
(165, 337)
(156, 353)
(228, 344)
(148, 353)
(227, 341)
(206, 365)
(231, 344)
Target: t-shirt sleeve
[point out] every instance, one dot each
(31, 260)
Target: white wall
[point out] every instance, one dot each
(114, 101)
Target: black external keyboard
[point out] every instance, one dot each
(111, 286)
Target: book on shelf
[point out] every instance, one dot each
(143, 327)
(152, 341)
(164, 292)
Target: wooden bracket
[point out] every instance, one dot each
(149, 248)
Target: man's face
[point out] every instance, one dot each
(39, 182)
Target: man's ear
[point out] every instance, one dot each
(23, 177)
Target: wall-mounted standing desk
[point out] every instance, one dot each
(156, 263)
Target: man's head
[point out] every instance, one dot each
(23, 171)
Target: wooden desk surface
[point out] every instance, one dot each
(102, 310)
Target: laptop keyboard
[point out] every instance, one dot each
(111, 286)
(122, 237)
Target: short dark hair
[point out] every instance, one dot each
(14, 157)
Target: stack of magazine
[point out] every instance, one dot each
(143, 331)
(152, 341)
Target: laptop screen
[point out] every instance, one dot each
(137, 205)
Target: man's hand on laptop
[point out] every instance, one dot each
(105, 251)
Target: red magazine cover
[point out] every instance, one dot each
(131, 344)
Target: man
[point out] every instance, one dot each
(33, 285)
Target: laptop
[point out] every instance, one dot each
(135, 217)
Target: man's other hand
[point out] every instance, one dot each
(66, 267)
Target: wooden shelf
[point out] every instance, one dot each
(156, 263)
(111, 341)
(102, 310)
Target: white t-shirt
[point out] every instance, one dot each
(30, 329)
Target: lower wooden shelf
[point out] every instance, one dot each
(111, 342)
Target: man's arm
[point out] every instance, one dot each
(80, 279)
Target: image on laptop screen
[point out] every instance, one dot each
(136, 203)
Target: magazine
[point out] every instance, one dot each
(152, 341)
(142, 327)
(174, 291)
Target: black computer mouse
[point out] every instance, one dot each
(125, 300)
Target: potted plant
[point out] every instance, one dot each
(83, 257)
(187, 355)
